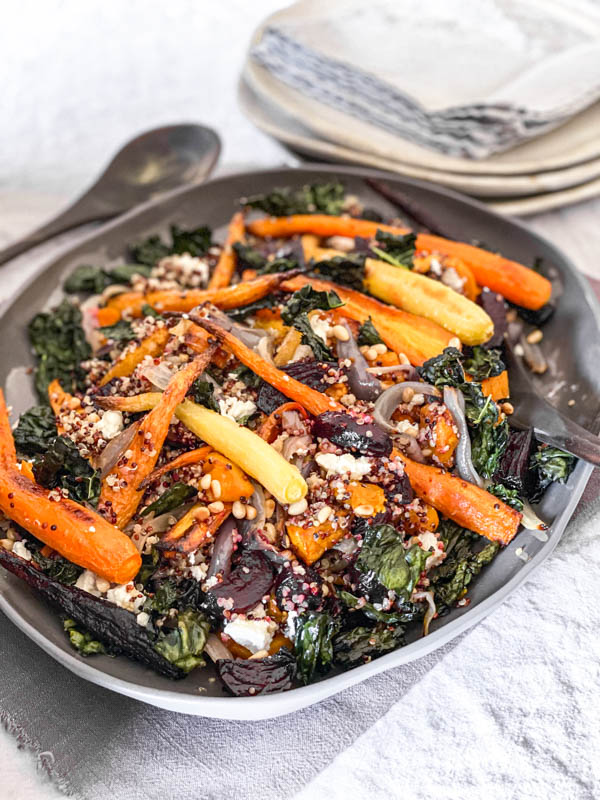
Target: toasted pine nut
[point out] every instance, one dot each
(535, 336)
(324, 514)
(7, 544)
(216, 507)
(371, 354)
(238, 510)
(205, 481)
(251, 512)
(403, 358)
(297, 508)
(508, 408)
(408, 394)
(202, 513)
(364, 511)
(269, 508)
(380, 348)
(215, 488)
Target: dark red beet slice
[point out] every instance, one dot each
(243, 678)
(247, 584)
(495, 306)
(306, 371)
(400, 491)
(300, 585)
(513, 470)
(347, 433)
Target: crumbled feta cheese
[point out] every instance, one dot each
(320, 326)
(290, 629)
(20, 549)
(357, 468)
(126, 596)
(87, 583)
(143, 618)
(236, 409)
(110, 425)
(406, 426)
(198, 572)
(435, 267)
(255, 634)
(452, 279)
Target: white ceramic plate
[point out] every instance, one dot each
(272, 120)
(575, 142)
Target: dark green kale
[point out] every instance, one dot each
(58, 568)
(465, 558)
(121, 331)
(203, 392)
(164, 598)
(323, 198)
(175, 496)
(94, 280)
(313, 646)
(368, 334)
(384, 555)
(348, 270)
(82, 640)
(489, 433)
(183, 645)
(148, 311)
(402, 616)
(150, 251)
(549, 465)
(360, 645)
(308, 299)
(245, 374)
(309, 337)
(484, 363)
(60, 345)
(399, 250)
(36, 431)
(249, 258)
(62, 466)
(508, 496)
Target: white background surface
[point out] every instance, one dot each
(79, 78)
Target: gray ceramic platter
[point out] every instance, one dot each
(571, 341)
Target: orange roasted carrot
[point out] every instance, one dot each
(153, 345)
(107, 316)
(463, 502)
(190, 533)
(270, 427)
(241, 294)
(517, 283)
(227, 260)
(119, 497)
(196, 456)
(418, 338)
(314, 402)
(77, 533)
(62, 402)
(134, 404)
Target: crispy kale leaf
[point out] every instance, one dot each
(368, 334)
(245, 374)
(549, 465)
(60, 345)
(348, 270)
(384, 555)
(58, 568)
(308, 299)
(94, 280)
(249, 258)
(204, 393)
(121, 331)
(175, 496)
(323, 198)
(62, 466)
(83, 641)
(397, 250)
(150, 251)
(36, 431)
(488, 431)
(360, 645)
(484, 363)
(408, 612)
(164, 598)
(313, 643)
(310, 338)
(508, 496)
(465, 558)
(183, 645)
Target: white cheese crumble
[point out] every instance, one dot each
(357, 468)
(406, 426)
(321, 327)
(254, 634)
(126, 596)
(110, 425)
(143, 618)
(20, 549)
(236, 409)
(87, 583)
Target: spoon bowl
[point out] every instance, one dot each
(148, 166)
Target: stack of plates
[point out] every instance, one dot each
(553, 170)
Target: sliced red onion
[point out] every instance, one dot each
(248, 336)
(215, 649)
(455, 403)
(115, 449)
(223, 549)
(363, 384)
(388, 402)
(291, 421)
(158, 375)
(408, 369)
(411, 447)
(431, 609)
(295, 443)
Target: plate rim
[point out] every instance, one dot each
(270, 706)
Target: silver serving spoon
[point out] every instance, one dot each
(149, 165)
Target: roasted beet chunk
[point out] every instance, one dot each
(298, 588)
(513, 470)
(307, 371)
(258, 675)
(495, 307)
(247, 583)
(400, 491)
(350, 435)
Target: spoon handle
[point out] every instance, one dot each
(80, 212)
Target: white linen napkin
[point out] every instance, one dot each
(462, 77)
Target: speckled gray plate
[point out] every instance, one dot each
(571, 339)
